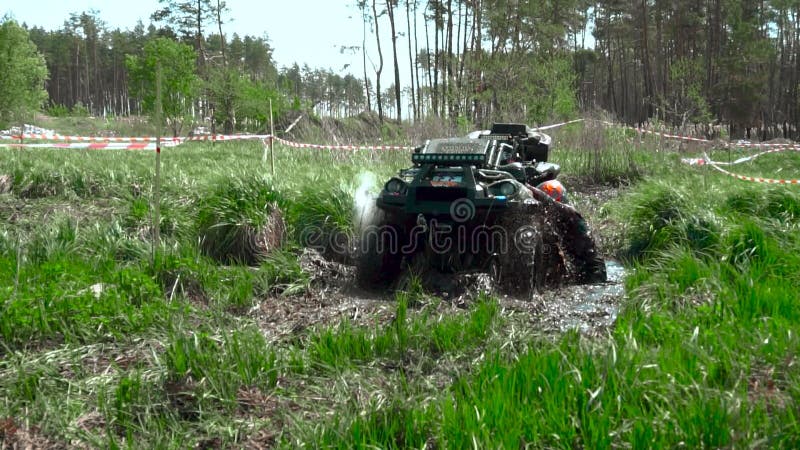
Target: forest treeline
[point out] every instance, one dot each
(678, 62)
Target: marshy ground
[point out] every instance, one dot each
(103, 343)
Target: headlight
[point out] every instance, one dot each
(505, 188)
(395, 186)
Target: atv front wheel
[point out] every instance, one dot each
(379, 254)
(519, 267)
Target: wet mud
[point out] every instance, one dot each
(334, 297)
(589, 308)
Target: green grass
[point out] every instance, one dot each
(220, 366)
(106, 344)
(424, 333)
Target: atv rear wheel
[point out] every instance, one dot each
(379, 257)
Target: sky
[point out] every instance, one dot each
(302, 31)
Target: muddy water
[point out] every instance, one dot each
(333, 297)
(589, 308)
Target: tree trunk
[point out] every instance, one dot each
(364, 54)
(416, 66)
(428, 70)
(390, 4)
(437, 22)
(221, 36)
(411, 58)
(448, 90)
(477, 76)
(648, 80)
(380, 63)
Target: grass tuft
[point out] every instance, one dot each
(241, 221)
(220, 366)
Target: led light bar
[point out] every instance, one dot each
(496, 137)
(433, 158)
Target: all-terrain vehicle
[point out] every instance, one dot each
(476, 203)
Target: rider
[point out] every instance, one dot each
(577, 238)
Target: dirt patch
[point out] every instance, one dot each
(334, 245)
(5, 184)
(183, 282)
(253, 402)
(261, 440)
(15, 436)
(91, 422)
(764, 386)
(332, 297)
(116, 360)
(182, 399)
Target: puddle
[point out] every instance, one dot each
(586, 307)
(590, 308)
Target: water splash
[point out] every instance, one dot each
(364, 199)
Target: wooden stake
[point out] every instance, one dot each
(157, 187)
(271, 138)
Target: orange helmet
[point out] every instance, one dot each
(555, 190)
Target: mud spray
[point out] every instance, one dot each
(364, 200)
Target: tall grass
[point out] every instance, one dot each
(220, 366)
(241, 222)
(592, 153)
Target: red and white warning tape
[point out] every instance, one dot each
(672, 136)
(556, 125)
(131, 141)
(96, 145)
(342, 147)
(702, 161)
(58, 137)
(695, 139)
(763, 144)
(747, 178)
(224, 137)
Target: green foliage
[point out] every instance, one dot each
(688, 98)
(743, 89)
(101, 346)
(558, 91)
(541, 89)
(24, 73)
(323, 211)
(241, 100)
(60, 298)
(58, 111)
(588, 153)
(80, 110)
(281, 273)
(185, 17)
(179, 83)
